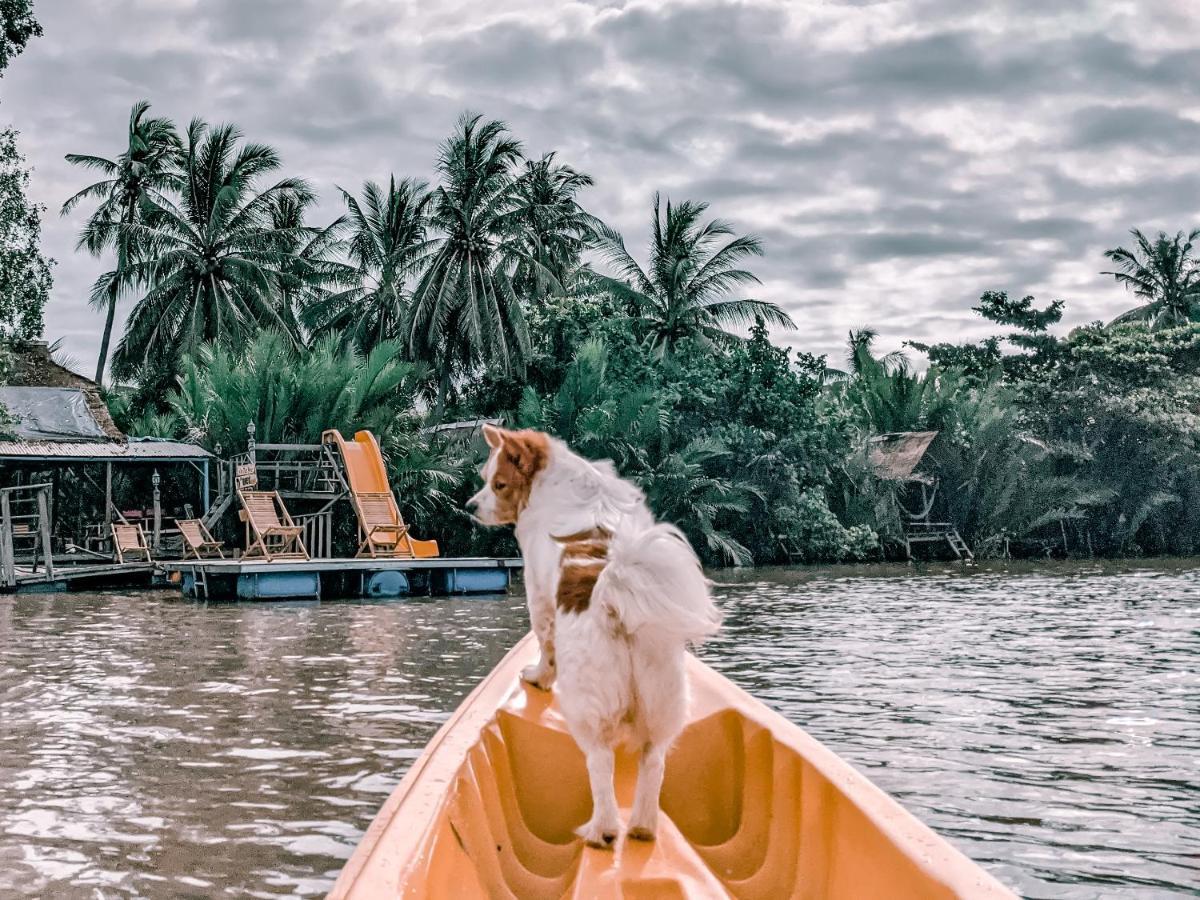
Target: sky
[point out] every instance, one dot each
(896, 158)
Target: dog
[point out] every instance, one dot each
(614, 600)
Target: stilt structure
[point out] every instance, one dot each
(897, 457)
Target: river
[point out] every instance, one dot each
(1046, 719)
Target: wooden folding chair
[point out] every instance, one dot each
(130, 540)
(271, 533)
(383, 531)
(197, 541)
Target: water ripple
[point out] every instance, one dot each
(1045, 720)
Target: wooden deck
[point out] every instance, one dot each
(80, 577)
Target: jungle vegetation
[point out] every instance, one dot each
(490, 291)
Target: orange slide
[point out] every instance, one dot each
(753, 808)
(383, 531)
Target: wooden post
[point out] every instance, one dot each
(43, 503)
(108, 501)
(8, 567)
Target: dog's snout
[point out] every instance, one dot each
(473, 504)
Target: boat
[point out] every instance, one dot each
(752, 807)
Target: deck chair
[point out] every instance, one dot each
(383, 531)
(197, 541)
(130, 541)
(270, 531)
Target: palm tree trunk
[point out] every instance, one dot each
(443, 390)
(107, 336)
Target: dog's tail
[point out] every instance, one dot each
(653, 583)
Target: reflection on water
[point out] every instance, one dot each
(1045, 720)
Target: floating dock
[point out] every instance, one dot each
(251, 579)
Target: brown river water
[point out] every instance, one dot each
(1046, 719)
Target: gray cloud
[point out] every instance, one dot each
(896, 158)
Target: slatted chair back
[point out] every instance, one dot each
(260, 506)
(197, 539)
(130, 540)
(378, 509)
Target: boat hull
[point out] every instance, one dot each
(753, 807)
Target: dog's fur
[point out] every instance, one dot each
(614, 599)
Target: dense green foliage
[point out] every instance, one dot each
(17, 27)
(494, 293)
(25, 277)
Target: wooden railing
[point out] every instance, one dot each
(318, 533)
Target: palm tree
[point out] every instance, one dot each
(1163, 272)
(387, 242)
(214, 263)
(686, 292)
(144, 171)
(464, 309)
(884, 393)
(313, 269)
(554, 229)
(291, 394)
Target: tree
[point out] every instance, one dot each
(387, 243)
(212, 263)
(25, 277)
(984, 361)
(19, 25)
(145, 170)
(1163, 272)
(553, 229)
(464, 310)
(291, 394)
(686, 292)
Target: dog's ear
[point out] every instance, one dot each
(493, 435)
(528, 451)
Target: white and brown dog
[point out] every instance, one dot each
(614, 600)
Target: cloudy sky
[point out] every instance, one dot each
(897, 158)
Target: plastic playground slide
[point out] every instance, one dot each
(366, 473)
(365, 469)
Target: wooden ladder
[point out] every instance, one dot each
(958, 545)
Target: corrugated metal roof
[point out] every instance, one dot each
(135, 449)
(896, 455)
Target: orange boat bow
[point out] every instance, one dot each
(753, 808)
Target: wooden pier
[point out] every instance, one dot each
(242, 579)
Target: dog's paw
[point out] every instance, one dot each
(601, 835)
(640, 833)
(541, 677)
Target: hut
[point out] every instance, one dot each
(897, 457)
(67, 473)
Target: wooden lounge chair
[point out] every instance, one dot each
(197, 541)
(383, 531)
(130, 541)
(270, 531)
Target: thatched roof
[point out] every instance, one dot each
(895, 456)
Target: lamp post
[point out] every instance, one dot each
(156, 481)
